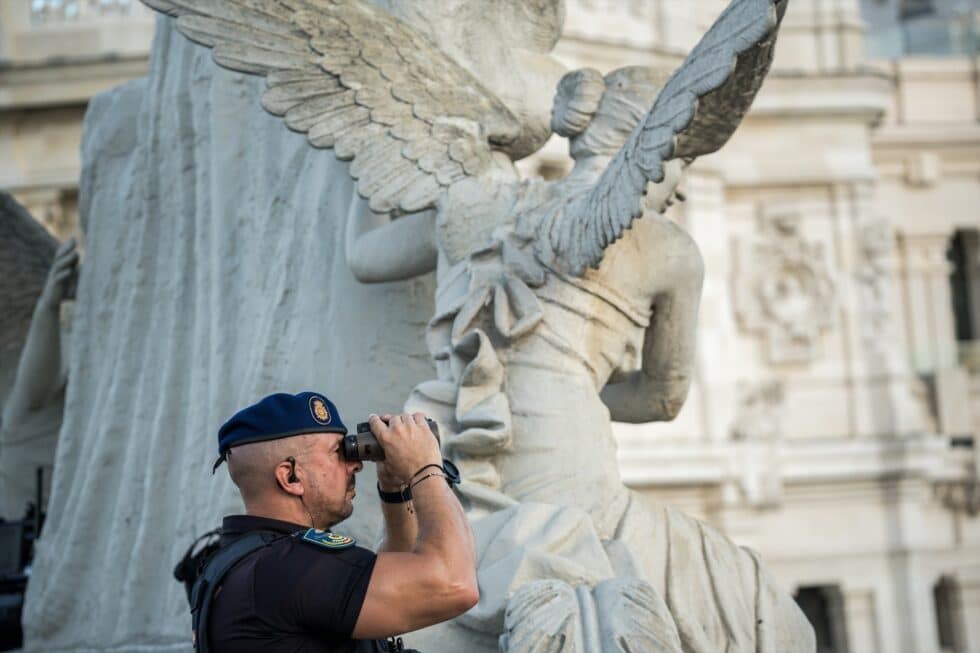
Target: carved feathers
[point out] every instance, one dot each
(621, 615)
(697, 111)
(543, 617)
(354, 78)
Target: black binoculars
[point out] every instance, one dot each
(363, 445)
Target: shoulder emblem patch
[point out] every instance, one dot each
(327, 540)
(318, 408)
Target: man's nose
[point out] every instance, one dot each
(357, 465)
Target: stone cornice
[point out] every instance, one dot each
(933, 136)
(801, 462)
(861, 96)
(64, 82)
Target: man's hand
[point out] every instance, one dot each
(386, 479)
(58, 285)
(409, 445)
(429, 574)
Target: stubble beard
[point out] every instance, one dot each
(329, 515)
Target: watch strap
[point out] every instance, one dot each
(400, 496)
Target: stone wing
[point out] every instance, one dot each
(699, 108)
(354, 78)
(26, 253)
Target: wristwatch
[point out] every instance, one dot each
(395, 497)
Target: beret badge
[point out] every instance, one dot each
(319, 411)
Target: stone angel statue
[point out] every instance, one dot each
(559, 305)
(36, 276)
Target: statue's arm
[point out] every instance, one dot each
(40, 374)
(380, 249)
(657, 391)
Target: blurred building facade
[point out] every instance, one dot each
(54, 56)
(832, 421)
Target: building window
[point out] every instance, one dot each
(946, 595)
(964, 281)
(915, 8)
(898, 28)
(823, 605)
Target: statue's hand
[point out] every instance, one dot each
(59, 285)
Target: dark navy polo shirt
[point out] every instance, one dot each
(290, 595)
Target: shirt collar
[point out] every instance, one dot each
(234, 526)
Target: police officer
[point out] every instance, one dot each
(307, 589)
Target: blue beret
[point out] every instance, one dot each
(279, 416)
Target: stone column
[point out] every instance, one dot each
(862, 621)
(969, 609)
(930, 333)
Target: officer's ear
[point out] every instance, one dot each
(286, 477)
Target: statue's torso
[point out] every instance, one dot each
(556, 339)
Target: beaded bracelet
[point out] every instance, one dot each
(427, 476)
(422, 469)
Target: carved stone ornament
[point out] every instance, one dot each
(756, 431)
(759, 411)
(960, 496)
(876, 240)
(784, 289)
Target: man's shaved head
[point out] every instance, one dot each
(252, 466)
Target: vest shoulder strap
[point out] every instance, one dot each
(215, 569)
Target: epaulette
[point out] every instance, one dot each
(326, 539)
